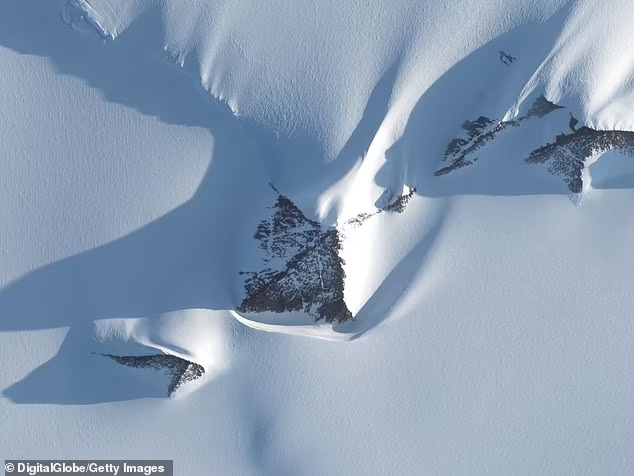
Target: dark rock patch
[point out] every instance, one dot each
(360, 219)
(401, 202)
(397, 206)
(540, 108)
(479, 132)
(179, 370)
(566, 156)
(460, 150)
(305, 270)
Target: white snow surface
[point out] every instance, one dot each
(492, 330)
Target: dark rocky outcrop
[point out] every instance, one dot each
(566, 156)
(360, 219)
(179, 370)
(540, 108)
(479, 132)
(399, 205)
(305, 270)
(461, 151)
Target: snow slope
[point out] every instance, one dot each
(140, 141)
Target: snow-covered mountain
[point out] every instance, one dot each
(442, 186)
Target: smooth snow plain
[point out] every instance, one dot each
(493, 331)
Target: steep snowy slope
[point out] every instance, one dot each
(434, 182)
(348, 121)
(305, 75)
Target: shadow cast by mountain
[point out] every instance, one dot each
(154, 269)
(158, 268)
(69, 380)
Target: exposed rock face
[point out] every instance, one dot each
(461, 151)
(540, 108)
(566, 156)
(305, 271)
(360, 219)
(396, 206)
(479, 132)
(401, 202)
(179, 370)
